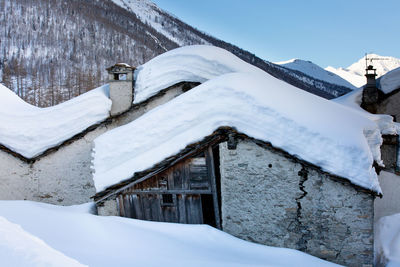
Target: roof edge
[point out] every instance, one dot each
(221, 134)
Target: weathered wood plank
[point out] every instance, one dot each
(181, 205)
(193, 209)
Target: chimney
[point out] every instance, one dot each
(370, 95)
(120, 78)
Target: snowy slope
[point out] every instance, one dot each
(340, 140)
(355, 72)
(390, 81)
(197, 63)
(151, 15)
(115, 241)
(29, 130)
(315, 71)
(19, 248)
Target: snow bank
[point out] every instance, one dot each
(19, 248)
(315, 71)
(390, 81)
(387, 241)
(197, 63)
(339, 139)
(116, 241)
(29, 130)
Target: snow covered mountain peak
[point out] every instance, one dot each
(355, 72)
(315, 71)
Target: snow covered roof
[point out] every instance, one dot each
(29, 130)
(390, 81)
(197, 63)
(339, 139)
(315, 71)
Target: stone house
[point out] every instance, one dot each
(382, 96)
(255, 192)
(234, 180)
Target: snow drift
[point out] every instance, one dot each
(116, 241)
(20, 248)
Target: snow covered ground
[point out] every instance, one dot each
(340, 140)
(315, 71)
(115, 241)
(20, 248)
(29, 130)
(355, 72)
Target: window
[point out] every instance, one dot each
(167, 200)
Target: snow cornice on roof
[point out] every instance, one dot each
(28, 132)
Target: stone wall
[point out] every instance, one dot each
(63, 177)
(390, 106)
(272, 199)
(108, 207)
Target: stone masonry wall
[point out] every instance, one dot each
(391, 106)
(271, 199)
(63, 177)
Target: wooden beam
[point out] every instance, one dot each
(211, 175)
(176, 192)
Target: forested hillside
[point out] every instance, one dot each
(53, 50)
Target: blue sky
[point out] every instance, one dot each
(327, 32)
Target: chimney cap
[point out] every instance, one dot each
(120, 67)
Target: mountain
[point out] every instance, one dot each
(315, 71)
(355, 72)
(53, 50)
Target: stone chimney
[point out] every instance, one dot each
(120, 78)
(370, 95)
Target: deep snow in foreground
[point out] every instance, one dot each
(339, 139)
(197, 63)
(115, 241)
(29, 130)
(19, 248)
(387, 240)
(355, 72)
(315, 71)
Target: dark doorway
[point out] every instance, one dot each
(208, 210)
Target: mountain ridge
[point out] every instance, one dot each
(56, 50)
(355, 72)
